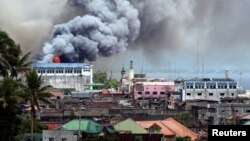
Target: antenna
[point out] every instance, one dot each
(202, 69)
(111, 75)
(240, 77)
(197, 61)
(142, 63)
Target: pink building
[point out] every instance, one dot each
(152, 90)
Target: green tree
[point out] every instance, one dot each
(100, 77)
(185, 118)
(34, 91)
(11, 59)
(111, 83)
(10, 99)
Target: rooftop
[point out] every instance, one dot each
(211, 79)
(53, 65)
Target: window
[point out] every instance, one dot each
(248, 111)
(147, 92)
(232, 94)
(51, 139)
(199, 94)
(199, 85)
(232, 85)
(222, 85)
(139, 92)
(162, 93)
(222, 111)
(64, 139)
(189, 85)
(68, 70)
(222, 94)
(154, 92)
(211, 85)
(188, 94)
(77, 70)
(210, 94)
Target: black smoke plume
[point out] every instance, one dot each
(106, 28)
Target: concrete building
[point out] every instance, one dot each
(65, 75)
(59, 135)
(216, 113)
(152, 90)
(213, 89)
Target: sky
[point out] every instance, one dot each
(174, 35)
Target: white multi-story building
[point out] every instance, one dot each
(209, 89)
(65, 75)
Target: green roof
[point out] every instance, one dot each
(86, 125)
(130, 125)
(247, 123)
(94, 84)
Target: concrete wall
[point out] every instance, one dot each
(192, 94)
(57, 135)
(76, 82)
(146, 90)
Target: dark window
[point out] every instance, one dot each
(199, 94)
(162, 92)
(232, 94)
(222, 111)
(211, 94)
(154, 92)
(139, 92)
(147, 92)
(51, 139)
(248, 111)
(188, 94)
(222, 94)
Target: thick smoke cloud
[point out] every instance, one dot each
(29, 22)
(108, 27)
(158, 27)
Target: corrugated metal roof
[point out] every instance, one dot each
(164, 129)
(211, 79)
(53, 65)
(179, 129)
(85, 125)
(131, 126)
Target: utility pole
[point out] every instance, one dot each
(79, 128)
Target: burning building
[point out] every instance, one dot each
(65, 75)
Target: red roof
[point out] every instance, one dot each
(53, 125)
(164, 129)
(179, 129)
(169, 127)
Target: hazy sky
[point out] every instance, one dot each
(169, 32)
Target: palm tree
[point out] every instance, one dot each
(21, 65)
(9, 50)
(35, 90)
(11, 62)
(10, 99)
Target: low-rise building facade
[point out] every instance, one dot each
(65, 75)
(152, 90)
(209, 89)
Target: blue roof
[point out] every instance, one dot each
(211, 79)
(53, 65)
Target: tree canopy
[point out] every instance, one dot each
(101, 77)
